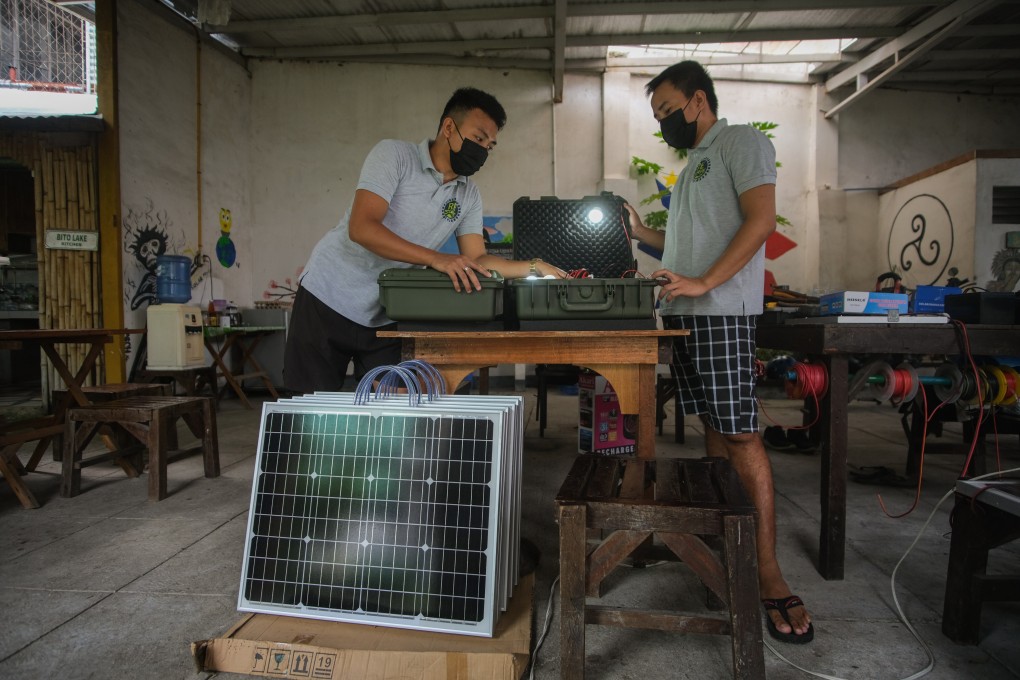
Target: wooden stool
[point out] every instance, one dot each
(986, 515)
(191, 380)
(97, 394)
(678, 501)
(666, 389)
(149, 420)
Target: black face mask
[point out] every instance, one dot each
(676, 131)
(470, 158)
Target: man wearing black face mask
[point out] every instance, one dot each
(722, 209)
(410, 198)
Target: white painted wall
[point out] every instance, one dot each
(890, 135)
(283, 148)
(307, 150)
(158, 143)
(989, 237)
(930, 220)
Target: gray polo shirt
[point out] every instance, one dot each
(704, 216)
(422, 210)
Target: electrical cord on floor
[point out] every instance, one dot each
(545, 627)
(892, 586)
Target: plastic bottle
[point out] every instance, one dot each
(213, 317)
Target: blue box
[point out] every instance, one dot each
(932, 299)
(861, 302)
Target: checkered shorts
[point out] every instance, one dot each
(714, 368)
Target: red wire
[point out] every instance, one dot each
(977, 380)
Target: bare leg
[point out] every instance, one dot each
(747, 456)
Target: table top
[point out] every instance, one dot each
(219, 331)
(65, 334)
(531, 334)
(888, 338)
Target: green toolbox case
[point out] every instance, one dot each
(565, 299)
(427, 295)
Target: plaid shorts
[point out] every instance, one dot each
(714, 369)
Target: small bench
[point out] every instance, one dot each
(192, 381)
(986, 515)
(681, 502)
(152, 422)
(97, 394)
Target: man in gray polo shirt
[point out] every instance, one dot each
(409, 200)
(721, 211)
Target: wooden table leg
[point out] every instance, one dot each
(572, 590)
(833, 426)
(9, 469)
(228, 376)
(247, 357)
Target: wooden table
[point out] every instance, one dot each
(832, 344)
(627, 359)
(246, 339)
(43, 429)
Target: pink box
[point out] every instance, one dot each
(601, 427)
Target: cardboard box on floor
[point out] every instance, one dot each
(285, 646)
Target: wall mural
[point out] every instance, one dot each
(280, 293)
(226, 253)
(148, 233)
(921, 240)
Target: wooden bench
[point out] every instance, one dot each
(682, 503)
(192, 381)
(986, 515)
(152, 422)
(97, 394)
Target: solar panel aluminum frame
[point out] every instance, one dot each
(482, 627)
(512, 464)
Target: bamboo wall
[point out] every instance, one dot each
(64, 167)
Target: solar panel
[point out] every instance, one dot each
(385, 513)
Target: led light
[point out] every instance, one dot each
(595, 215)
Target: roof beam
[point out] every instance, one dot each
(545, 11)
(963, 10)
(487, 45)
(954, 16)
(559, 55)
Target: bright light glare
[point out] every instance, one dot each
(595, 216)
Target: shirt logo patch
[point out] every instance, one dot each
(702, 170)
(451, 210)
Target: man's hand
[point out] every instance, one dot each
(678, 285)
(545, 269)
(461, 270)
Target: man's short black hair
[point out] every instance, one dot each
(467, 98)
(688, 77)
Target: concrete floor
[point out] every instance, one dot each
(108, 585)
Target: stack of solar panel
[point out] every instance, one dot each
(392, 510)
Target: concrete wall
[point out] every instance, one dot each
(927, 227)
(159, 166)
(890, 135)
(283, 145)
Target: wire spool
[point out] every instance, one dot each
(1012, 384)
(949, 394)
(908, 383)
(971, 386)
(809, 380)
(884, 391)
(996, 384)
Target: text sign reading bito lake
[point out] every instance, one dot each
(72, 240)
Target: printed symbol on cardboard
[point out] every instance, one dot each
(279, 662)
(302, 665)
(259, 662)
(324, 665)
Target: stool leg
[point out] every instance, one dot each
(742, 580)
(210, 441)
(573, 519)
(76, 438)
(968, 557)
(157, 445)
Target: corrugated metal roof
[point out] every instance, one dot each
(945, 45)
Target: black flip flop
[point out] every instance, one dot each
(782, 605)
(775, 438)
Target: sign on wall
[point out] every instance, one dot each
(57, 239)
